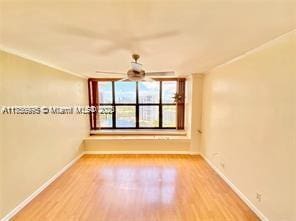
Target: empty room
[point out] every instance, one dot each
(147, 110)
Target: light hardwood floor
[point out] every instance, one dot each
(138, 188)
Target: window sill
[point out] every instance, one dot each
(128, 138)
(139, 132)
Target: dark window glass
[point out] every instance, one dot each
(149, 92)
(125, 116)
(169, 89)
(149, 116)
(105, 92)
(125, 92)
(169, 116)
(105, 116)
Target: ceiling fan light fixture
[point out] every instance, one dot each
(136, 66)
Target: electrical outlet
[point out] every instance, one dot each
(259, 197)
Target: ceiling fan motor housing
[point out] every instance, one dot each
(135, 75)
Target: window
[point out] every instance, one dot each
(136, 105)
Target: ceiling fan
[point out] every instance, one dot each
(136, 73)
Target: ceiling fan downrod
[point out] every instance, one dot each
(136, 57)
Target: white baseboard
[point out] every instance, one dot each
(141, 152)
(236, 190)
(20, 206)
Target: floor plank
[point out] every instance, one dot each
(138, 188)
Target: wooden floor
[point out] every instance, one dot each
(138, 188)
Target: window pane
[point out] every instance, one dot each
(149, 92)
(125, 92)
(125, 116)
(169, 116)
(104, 117)
(148, 116)
(169, 89)
(105, 92)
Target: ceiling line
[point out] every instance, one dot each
(16, 53)
(251, 51)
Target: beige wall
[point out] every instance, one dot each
(194, 109)
(249, 125)
(36, 147)
(155, 144)
(294, 145)
(1, 152)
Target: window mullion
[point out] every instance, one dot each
(160, 104)
(114, 107)
(137, 105)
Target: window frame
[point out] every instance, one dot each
(93, 101)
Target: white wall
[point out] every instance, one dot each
(249, 125)
(35, 147)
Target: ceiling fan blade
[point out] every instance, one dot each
(147, 79)
(109, 72)
(124, 80)
(166, 34)
(160, 73)
(81, 32)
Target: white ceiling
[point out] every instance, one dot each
(185, 36)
